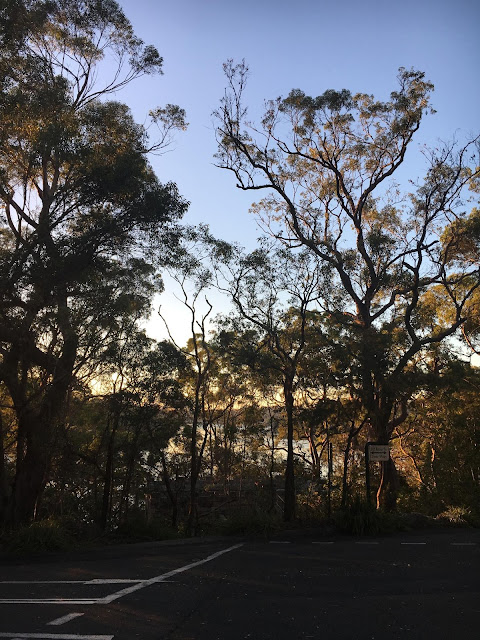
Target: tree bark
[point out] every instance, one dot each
(289, 506)
(387, 493)
(4, 490)
(105, 514)
(168, 486)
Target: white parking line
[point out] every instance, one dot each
(64, 619)
(52, 636)
(94, 581)
(42, 581)
(464, 544)
(165, 576)
(280, 541)
(81, 601)
(413, 543)
(367, 542)
(137, 584)
(112, 581)
(321, 542)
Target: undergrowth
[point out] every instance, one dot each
(361, 519)
(38, 537)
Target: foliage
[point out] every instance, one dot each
(326, 165)
(459, 516)
(81, 213)
(251, 521)
(344, 327)
(438, 445)
(137, 529)
(39, 537)
(362, 519)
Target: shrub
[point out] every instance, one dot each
(458, 516)
(360, 519)
(250, 522)
(139, 530)
(38, 537)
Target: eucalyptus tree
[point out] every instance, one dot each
(273, 293)
(327, 165)
(144, 410)
(462, 239)
(114, 437)
(77, 196)
(439, 442)
(193, 278)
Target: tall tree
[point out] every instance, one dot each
(273, 292)
(194, 279)
(327, 164)
(77, 196)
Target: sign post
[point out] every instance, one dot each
(374, 452)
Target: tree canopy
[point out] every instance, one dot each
(353, 319)
(79, 200)
(327, 164)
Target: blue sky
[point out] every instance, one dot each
(306, 44)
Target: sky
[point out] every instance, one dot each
(312, 45)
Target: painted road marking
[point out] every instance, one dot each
(52, 636)
(94, 581)
(118, 594)
(112, 581)
(43, 582)
(464, 544)
(367, 542)
(50, 601)
(280, 541)
(165, 576)
(64, 619)
(319, 542)
(413, 543)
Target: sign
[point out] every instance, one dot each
(378, 452)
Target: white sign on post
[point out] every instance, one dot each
(378, 452)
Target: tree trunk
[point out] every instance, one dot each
(4, 491)
(35, 448)
(37, 416)
(194, 465)
(387, 421)
(127, 482)
(168, 486)
(105, 514)
(352, 433)
(289, 506)
(387, 493)
(271, 469)
(346, 458)
(33, 455)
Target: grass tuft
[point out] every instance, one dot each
(362, 519)
(38, 537)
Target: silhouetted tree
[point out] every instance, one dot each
(327, 164)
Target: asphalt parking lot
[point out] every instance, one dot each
(299, 585)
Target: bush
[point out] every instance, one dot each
(311, 505)
(250, 522)
(361, 519)
(458, 516)
(39, 537)
(139, 530)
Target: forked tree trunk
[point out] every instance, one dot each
(387, 493)
(33, 458)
